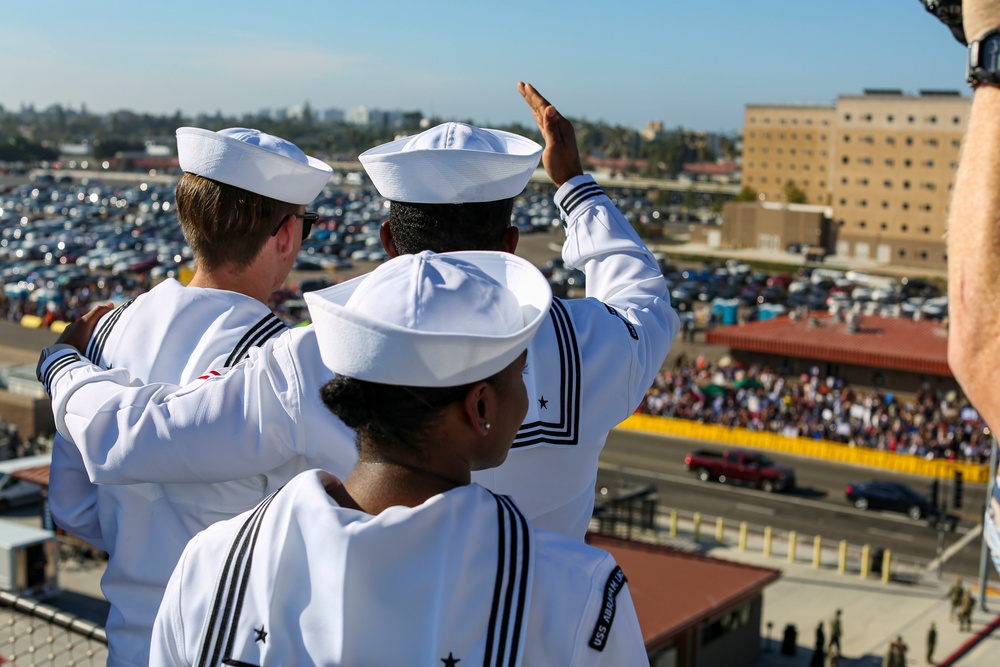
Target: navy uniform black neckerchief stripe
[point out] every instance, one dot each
(95, 348)
(565, 429)
(510, 592)
(231, 590)
(257, 335)
(580, 194)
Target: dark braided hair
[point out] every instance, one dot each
(387, 415)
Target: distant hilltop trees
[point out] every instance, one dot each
(29, 135)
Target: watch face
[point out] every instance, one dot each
(990, 58)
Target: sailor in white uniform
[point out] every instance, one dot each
(240, 204)
(406, 562)
(451, 188)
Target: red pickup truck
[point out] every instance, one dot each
(743, 467)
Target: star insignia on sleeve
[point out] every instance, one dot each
(542, 403)
(450, 661)
(261, 635)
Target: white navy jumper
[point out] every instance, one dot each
(588, 368)
(462, 579)
(172, 333)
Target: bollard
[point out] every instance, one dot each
(817, 550)
(697, 526)
(842, 557)
(743, 536)
(793, 539)
(886, 557)
(673, 523)
(767, 541)
(719, 528)
(864, 561)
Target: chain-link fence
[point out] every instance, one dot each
(33, 633)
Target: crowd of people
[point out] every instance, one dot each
(931, 424)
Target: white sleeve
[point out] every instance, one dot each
(227, 425)
(168, 640)
(625, 643)
(72, 496)
(622, 274)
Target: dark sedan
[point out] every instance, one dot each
(890, 496)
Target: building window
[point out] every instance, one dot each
(843, 180)
(888, 162)
(923, 254)
(753, 134)
(929, 163)
(904, 227)
(884, 226)
(926, 230)
(887, 183)
(822, 183)
(889, 118)
(763, 179)
(907, 162)
(843, 202)
(932, 119)
(909, 141)
(891, 141)
(847, 117)
(862, 181)
(845, 160)
(779, 151)
(955, 143)
(885, 204)
(792, 151)
(826, 122)
(868, 140)
(956, 120)
(750, 165)
(932, 142)
(925, 208)
(866, 160)
(902, 252)
(928, 186)
(906, 207)
(862, 224)
(953, 165)
(751, 149)
(910, 119)
(809, 121)
(863, 203)
(906, 185)
(868, 117)
(781, 121)
(841, 223)
(847, 138)
(767, 119)
(749, 179)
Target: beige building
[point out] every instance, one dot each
(788, 143)
(883, 161)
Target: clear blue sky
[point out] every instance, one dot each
(694, 63)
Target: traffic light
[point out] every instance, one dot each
(956, 500)
(936, 494)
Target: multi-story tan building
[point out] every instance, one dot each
(883, 161)
(895, 159)
(788, 143)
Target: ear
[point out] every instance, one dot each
(285, 238)
(388, 243)
(478, 406)
(511, 235)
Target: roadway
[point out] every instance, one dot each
(816, 506)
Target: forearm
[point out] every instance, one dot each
(974, 258)
(209, 431)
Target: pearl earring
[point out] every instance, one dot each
(486, 426)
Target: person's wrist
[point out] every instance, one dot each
(979, 18)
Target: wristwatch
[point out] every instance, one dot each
(984, 60)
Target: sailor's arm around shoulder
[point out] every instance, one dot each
(227, 425)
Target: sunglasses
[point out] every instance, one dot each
(308, 220)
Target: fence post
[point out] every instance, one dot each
(817, 550)
(792, 539)
(864, 561)
(673, 523)
(719, 528)
(767, 541)
(886, 557)
(697, 526)
(743, 536)
(842, 557)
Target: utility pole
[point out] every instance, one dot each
(984, 555)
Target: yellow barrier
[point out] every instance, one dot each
(822, 449)
(31, 321)
(58, 326)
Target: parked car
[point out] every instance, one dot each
(892, 496)
(740, 466)
(14, 491)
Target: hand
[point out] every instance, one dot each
(561, 157)
(949, 12)
(78, 333)
(980, 16)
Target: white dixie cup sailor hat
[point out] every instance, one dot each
(431, 320)
(453, 163)
(252, 160)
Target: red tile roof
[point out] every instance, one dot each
(892, 343)
(39, 475)
(713, 168)
(674, 591)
